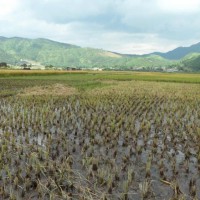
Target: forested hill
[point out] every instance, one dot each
(46, 52)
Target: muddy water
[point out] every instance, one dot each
(137, 160)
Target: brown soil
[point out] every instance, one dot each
(53, 90)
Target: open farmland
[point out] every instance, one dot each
(99, 135)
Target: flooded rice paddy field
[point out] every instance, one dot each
(131, 140)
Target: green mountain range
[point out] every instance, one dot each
(180, 52)
(191, 62)
(44, 52)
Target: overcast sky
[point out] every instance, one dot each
(125, 26)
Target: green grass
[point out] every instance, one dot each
(17, 80)
(73, 77)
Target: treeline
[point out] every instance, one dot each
(3, 65)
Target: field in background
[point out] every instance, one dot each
(106, 75)
(82, 80)
(99, 135)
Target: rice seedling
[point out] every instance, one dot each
(145, 189)
(103, 143)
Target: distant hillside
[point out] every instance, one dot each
(180, 52)
(47, 52)
(191, 62)
(16, 49)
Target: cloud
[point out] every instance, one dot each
(7, 7)
(127, 26)
(63, 11)
(183, 6)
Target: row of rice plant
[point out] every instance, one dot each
(135, 140)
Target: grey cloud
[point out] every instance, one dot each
(63, 11)
(138, 16)
(108, 24)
